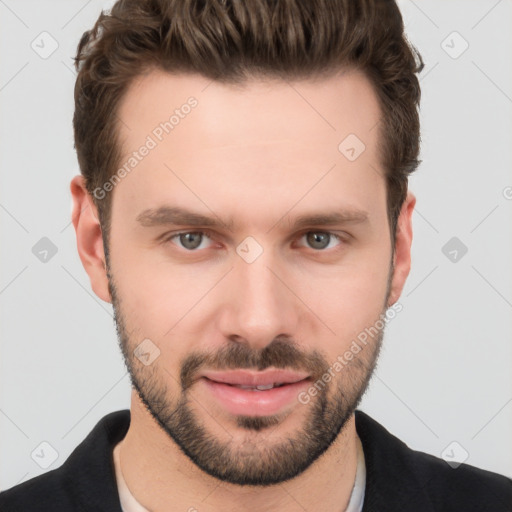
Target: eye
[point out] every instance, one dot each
(321, 240)
(195, 240)
(190, 240)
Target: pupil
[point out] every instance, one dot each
(318, 240)
(188, 241)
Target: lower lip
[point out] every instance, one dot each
(255, 403)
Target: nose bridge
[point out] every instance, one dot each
(261, 306)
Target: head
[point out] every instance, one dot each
(243, 203)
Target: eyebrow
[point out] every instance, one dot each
(167, 215)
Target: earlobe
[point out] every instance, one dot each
(403, 243)
(89, 238)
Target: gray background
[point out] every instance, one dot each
(444, 374)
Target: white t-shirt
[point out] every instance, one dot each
(130, 504)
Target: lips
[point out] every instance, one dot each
(252, 393)
(260, 381)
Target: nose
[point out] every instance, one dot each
(260, 305)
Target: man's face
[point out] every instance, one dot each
(253, 290)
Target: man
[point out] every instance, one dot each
(243, 205)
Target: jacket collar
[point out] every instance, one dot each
(89, 472)
(390, 482)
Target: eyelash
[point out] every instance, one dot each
(209, 234)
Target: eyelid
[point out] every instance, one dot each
(167, 237)
(342, 238)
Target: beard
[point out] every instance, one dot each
(253, 461)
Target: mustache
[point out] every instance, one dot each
(281, 353)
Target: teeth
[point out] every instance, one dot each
(268, 386)
(259, 388)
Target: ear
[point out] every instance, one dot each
(402, 256)
(88, 237)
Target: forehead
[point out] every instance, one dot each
(256, 111)
(263, 138)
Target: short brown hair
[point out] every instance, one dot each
(232, 40)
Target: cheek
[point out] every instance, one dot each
(351, 298)
(149, 295)
(154, 301)
(160, 299)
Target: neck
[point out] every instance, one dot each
(162, 478)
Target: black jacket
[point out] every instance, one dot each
(398, 479)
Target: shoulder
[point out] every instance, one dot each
(463, 487)
(85, 481)
(399, 476)
(43, 492)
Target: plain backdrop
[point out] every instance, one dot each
(443, 384)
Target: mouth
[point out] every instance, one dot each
(255, 393)
(262, 387)
(246, 379)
